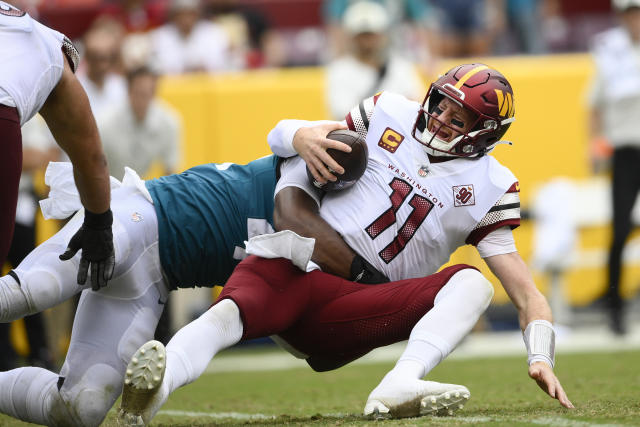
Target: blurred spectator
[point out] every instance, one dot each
(188, 43)
(97, 73)
(142, 129)
(464, 27)
(254, 43)
(38, 149)
(136, 15)
(369, 67)
(615, 108)
(516, 25)
(412, 23)
(555, 29)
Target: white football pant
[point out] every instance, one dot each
(109, 325)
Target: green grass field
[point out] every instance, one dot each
(604, 387)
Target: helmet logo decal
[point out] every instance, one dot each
(463, 195)
(505, 103)
(470, 74)
(390, 140)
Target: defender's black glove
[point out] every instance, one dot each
(363, 272)
(95, 238)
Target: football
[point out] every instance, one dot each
(354, 163)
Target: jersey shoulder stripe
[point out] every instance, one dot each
(71, 52)
(358, 118)
(505, 212)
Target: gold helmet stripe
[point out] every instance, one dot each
(501, 104)
(511, 106)
(470, 74)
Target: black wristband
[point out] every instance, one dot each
(363, 272)
(98, 221)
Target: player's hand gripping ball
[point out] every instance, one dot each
(354, 163)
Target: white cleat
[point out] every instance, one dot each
(142, 381)
(415, 398)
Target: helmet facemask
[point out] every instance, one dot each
(469, 143)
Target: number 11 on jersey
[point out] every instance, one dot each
(421, 208)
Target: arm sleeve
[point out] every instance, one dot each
(505, 212)
(280, 138)
(497, 242)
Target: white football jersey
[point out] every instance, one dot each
(32, 61)
(406, 215)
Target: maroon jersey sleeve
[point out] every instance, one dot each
(358, 118)
(505, 212)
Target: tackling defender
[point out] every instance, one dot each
(182, 230)
(429, 188)
(37, 74)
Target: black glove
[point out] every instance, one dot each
(363, 272)
(96, 241)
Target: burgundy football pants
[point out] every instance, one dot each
(331, 319)
(10, 170)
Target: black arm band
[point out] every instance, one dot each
(363, 272)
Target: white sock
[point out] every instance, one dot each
(28, 395)
(192, 347)
(457, 308)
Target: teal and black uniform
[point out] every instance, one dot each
(204, 216)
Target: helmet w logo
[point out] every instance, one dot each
(505, 103)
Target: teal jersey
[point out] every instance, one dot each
(206, 213)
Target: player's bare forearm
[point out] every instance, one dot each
(514, 275)
(296, 211)
(516, 279)
(69, 117)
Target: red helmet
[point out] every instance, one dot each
(481, 90)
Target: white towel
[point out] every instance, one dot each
(64, 198)
(284, 244)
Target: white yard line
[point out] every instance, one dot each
(544, 421)
(217, 415)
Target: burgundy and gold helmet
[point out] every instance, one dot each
(480, 89)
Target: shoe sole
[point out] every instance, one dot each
(443, 404)
(142, 380)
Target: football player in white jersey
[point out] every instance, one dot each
(37, 75)
(430, 187)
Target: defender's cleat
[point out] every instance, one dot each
(143, 379)
(414, 398)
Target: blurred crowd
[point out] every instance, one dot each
(222, 35)
(391, 44)
(394, 44)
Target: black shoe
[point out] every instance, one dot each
(618, 326)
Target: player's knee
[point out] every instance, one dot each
(41, 289)
(13, 302)
(225, 315)
(475, 286)
(224, 311)
(89, 401)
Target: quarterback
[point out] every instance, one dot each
(37, 74)
(429, 187)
